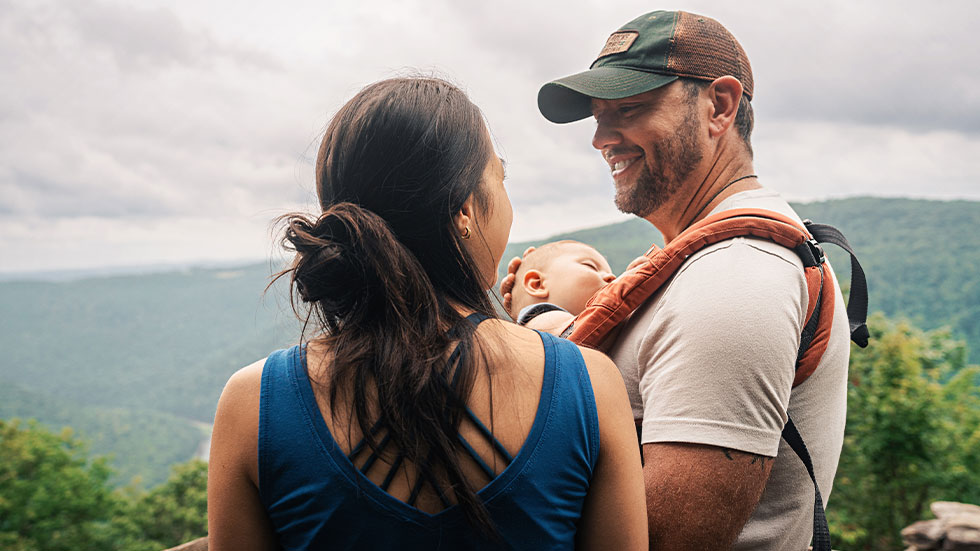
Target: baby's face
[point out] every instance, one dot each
(574, 275)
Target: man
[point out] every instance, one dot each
(709, 359)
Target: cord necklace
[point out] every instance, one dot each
(715, 196)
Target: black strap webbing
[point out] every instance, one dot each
(857, 303)
(821, 532)
(857, 317)
(810, 329)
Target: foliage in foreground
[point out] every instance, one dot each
(53, 498)
(913, 435)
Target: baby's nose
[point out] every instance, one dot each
(608, 277)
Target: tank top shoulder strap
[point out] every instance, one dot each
(477, 318)
(573, 390)
(282, 414)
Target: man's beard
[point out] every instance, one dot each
(676, 157)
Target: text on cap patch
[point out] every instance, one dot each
(618, 42)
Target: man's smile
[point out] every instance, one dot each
(620, 162)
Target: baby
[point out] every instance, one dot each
(553, 283)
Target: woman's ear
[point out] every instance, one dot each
(464, 219)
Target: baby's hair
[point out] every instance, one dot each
(541, 256)
(538, 259)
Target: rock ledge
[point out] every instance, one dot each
(955, 528)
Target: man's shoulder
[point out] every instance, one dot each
(746, 252)
(742, 278)
(761, 198)
(739, 269)
(740, 253)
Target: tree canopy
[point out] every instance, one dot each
(912, 436)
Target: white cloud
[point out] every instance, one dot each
(817, 160)
(165, 119)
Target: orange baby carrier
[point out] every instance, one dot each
(613, 305)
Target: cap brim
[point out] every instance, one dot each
(569, 99)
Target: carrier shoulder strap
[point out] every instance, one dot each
(613, 305)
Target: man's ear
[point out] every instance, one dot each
(533, 284)
(725, 94)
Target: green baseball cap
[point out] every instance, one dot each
(650, 51)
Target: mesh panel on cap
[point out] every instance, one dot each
(701, 47)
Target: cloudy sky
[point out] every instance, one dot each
(154, 132)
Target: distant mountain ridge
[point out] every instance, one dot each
(136, 363)
(76, 274)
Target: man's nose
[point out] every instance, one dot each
(605, 136)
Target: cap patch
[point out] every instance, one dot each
(618, 43)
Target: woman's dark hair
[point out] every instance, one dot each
(383, 269)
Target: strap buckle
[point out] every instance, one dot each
(811, 253)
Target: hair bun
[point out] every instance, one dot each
(329, 268)
(353, 267)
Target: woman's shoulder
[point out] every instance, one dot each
(235, 434)
(505, 338)
(243, 386)
(527, 343)
(607, 381)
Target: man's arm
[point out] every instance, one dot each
(685, 480)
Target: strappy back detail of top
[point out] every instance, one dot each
(454, 358)
(316, 497)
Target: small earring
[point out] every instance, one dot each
(466, 233)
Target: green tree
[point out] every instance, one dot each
(52, 496)
(170, 514)
(913, 434)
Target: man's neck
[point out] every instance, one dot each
(696, 198)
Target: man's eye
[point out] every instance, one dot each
(627, 109)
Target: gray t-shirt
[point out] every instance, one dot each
(710, 359)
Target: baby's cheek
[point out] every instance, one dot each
(589, 289)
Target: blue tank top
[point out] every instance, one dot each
(317, 499)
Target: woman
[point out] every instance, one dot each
(413, 419)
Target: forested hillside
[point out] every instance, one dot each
(145, 442)
(135, 364)
(922, 258)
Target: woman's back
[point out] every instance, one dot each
(544, 418)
